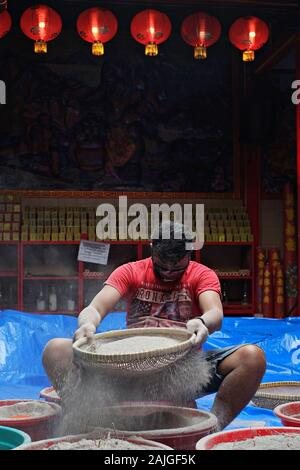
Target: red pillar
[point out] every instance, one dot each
(252, 193)
(252, 197)
(298, 160)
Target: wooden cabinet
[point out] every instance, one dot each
(234, 265)
(30, 271)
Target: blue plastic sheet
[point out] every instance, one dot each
(23, 337)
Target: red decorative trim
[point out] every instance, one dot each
(114, 194)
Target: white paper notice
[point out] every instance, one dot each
(93, 252)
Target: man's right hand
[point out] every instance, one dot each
(86, 330)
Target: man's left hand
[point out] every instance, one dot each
(199, 329)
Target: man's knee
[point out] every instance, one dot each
(57, 351)
(248, 356)
(253, 357)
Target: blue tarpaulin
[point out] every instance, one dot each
(23, 337)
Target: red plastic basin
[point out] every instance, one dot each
(239, 435)
(44, 444)
(39, 427)
(50, 394)
(175, 426)
(289, 413)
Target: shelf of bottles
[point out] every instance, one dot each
(234, 265)
(8, 293)
(8, 276)
(95, 275)
(56, 296)
(43, 277)
(50, 282)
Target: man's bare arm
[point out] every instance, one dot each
(90, 317)
(211, 306)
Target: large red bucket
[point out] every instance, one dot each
(237, 436)
(175, 426)
(37, 427)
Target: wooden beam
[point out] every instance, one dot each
(275, 54)
(255, 3)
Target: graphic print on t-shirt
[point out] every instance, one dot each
(173, 305)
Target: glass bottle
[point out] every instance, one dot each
(71, 299)
(61, 298)
(41, 301)
(29, 298)
(52, 299)
(245, 299)
(85, 301)
(11, 298)
(224, 294)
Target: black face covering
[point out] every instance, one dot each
(158, 272)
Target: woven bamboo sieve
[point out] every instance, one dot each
(135, 363)
(271, 399)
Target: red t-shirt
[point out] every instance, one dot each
(152, 302)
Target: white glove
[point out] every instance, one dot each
(199, 329)
(87, 330)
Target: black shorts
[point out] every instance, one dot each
(214, 357)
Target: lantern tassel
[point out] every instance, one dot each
(248, 56)
(98, 48)
(200, 52)
(40, 47)
(151, 49)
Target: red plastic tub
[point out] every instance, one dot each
(45, 444)
(289, 413)
(239, 435)
(175, 426)
(39, 427)
(50, 394)
(190, 404)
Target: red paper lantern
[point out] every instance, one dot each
(249, 34)
(150, 27)
(5, 23)
(201, 31)
(97, 26)
(42, 24)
